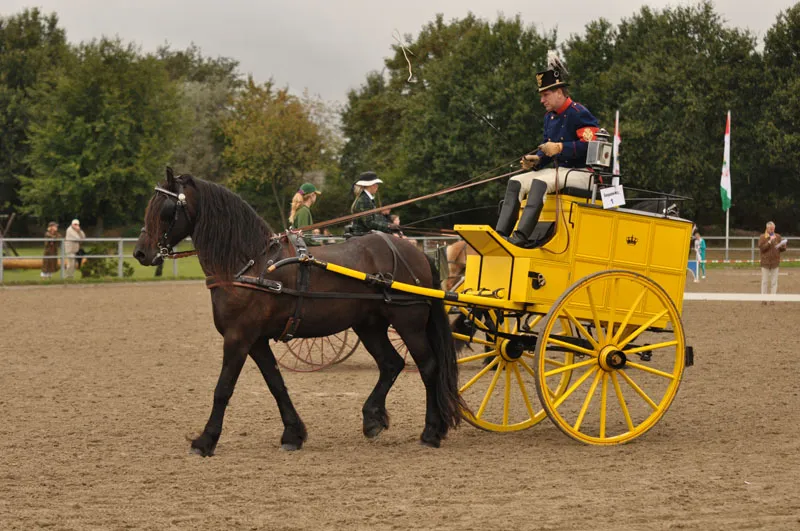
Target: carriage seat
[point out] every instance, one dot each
(584, 193)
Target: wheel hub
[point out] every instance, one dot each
(511, 350)
(612, 359)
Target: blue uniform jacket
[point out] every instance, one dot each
(572, 125)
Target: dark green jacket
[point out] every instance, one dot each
(302, 218)
(374, 221)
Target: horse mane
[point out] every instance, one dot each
(227, 229)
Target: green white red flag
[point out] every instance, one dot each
(725, 181)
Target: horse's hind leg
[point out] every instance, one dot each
(294, 431)
(234, 356)
(390, 364)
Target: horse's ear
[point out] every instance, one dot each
(170, 176)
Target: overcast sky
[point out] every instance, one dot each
(330, 46)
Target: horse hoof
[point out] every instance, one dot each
(290, 447)
(430, 444)
(373, 431)
(201, 452)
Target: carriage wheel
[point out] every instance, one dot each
(316, 353)
(401, 348)
(496, 373)
(634, 367)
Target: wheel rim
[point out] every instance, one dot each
(629, 367)
(401, 348)
(500, 394)
(316, 353)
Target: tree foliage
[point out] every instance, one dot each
(101, 136)
(271, 143)
(32, 48)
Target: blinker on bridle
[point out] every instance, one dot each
(164, 248)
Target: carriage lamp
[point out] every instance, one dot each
(599, 153)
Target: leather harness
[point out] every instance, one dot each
(301, 292)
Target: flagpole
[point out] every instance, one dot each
(617, 140)
(727, 229)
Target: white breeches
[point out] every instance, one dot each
(578, 179)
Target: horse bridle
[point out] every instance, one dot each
(164, 248)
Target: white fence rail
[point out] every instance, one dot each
(426, 243)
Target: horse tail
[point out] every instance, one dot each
(448, 400)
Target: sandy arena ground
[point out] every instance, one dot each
(101, 385)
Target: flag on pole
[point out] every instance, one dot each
(617, 141)
(725, 181)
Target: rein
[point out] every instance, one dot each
(350, 217)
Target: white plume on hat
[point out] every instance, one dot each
(554, 63)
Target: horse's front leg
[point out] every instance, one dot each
(294, 431)
(234, 355)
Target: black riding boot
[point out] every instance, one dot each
(530, 216)
(508, 214)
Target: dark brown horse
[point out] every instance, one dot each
(228, 234)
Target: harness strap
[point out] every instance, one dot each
(396, 254)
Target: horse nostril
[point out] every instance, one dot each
(138, 254)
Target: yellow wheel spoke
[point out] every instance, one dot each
(633, 335)
(654, 346)
(651, 370)
(575, 386)
(526, 367)
(572, 347)
(554, 362)
(506, 395)
(466, 338)
(639, 390)
(570, 367)
(528, 355)
(585, 333)
(479, 375)
(532, 324)
(481, 356)
(523, 390)
(613, 309)
(628, 316)
(587, 401)
(622, 403)
(595, 317)
(490, 390)
(603, 405)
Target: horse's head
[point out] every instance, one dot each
(169, 218)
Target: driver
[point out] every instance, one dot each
(568, 127)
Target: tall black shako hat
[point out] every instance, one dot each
(555, 74)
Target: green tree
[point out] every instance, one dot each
(779, 137)
(673, 74)
(207, 87)
(32, 48)
(474, 107)
(102, 136)
(271, 143)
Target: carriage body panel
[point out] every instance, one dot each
(587, 239)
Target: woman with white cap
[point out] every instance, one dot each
(72, 246)
(365, 189)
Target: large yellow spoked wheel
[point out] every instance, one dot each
(496, 374)
(629, 357)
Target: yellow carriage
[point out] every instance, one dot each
(590, 319)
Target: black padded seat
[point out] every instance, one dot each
(585, 193)
(542, 232)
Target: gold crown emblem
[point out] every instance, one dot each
(539, 79)
(632, 240)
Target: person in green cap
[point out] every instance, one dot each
(300, 214)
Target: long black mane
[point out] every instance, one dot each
(227, 231)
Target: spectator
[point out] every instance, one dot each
(700, 252)
(73, 246)
(300, 215)
(771, 246)
(50, 265)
